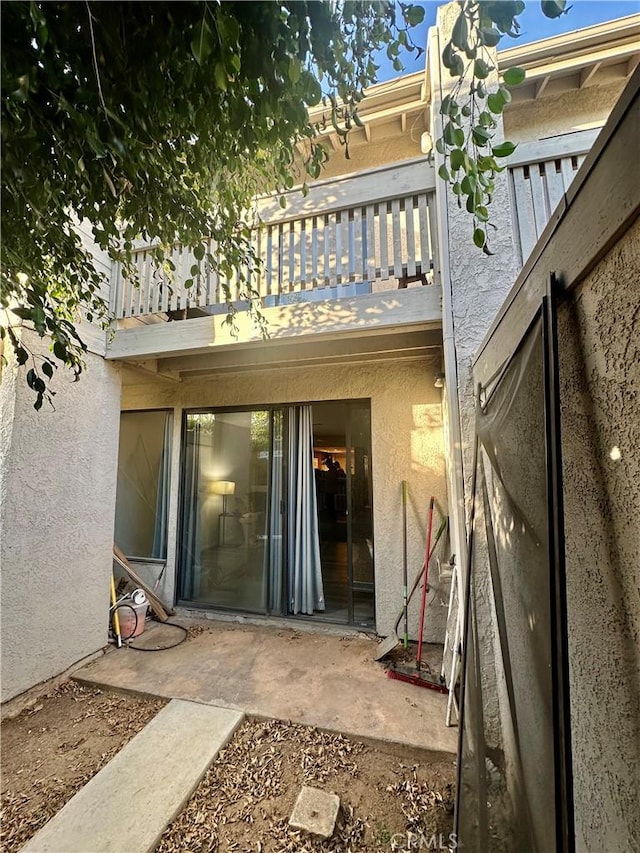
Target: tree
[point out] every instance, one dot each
(159, 121)
(162, 121)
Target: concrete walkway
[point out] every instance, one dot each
(331, 682)
(127, 805)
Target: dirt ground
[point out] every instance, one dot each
(244, 801)
(51, 750)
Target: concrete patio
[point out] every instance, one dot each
(316, 679)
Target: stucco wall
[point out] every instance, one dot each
(406, 424)
(599, 335)
(388, 145)
(550, 115)
(56, 521)
(478, 285)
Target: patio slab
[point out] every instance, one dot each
(331, 682)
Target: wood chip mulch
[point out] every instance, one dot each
(244, 800)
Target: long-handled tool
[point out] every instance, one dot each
(425, 587)
(405, 579)
(389, 644)
(420, 677)
(114, 614)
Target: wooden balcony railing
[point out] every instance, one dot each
(319, 251)
(540, 174)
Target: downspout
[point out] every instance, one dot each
(455, 472)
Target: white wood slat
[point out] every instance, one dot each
(425, 237)
(540, 212)
(339, 244)
(568, 172)
(433, 258)
(316, 250)
(411, 242)
(330, 250)
(370, 254)
(555, 184)
(309, 237)
(358, 268)
(384, 245)
(137, 301)
(397, 238)
(164, 296)
(296, 256)
(525, 213)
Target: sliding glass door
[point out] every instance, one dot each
(276, 511)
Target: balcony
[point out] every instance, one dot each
(342, 271)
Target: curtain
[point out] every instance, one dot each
(159, 550)
(274, 554)
(306, 592)
(191, 516)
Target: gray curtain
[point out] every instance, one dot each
(306, 592)
(159, 550)
(274, 553)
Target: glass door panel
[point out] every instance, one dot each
(360, 513)
(225, 509)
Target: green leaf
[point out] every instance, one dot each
(505, 94)
(460, 32)
(294, 69)
(554, 8)
(480, 135)
(202, 42)
(514, 76)
(448, 134)
(479, 237)
(440, 145)
(23, 313)
(481, 69)
(456, 159)
(482, 213)
(490, 37)
(495, 102)
(443, 172)
(468, 185)
(414, 15)
(199, 252)
(60, 351)
(220, 76)
(504, 149)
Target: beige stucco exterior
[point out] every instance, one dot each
(57, 498)
(406, 426)
(600, 388)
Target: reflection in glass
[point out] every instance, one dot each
(142, 498)
(224, 509)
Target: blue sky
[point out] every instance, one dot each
(534, 26)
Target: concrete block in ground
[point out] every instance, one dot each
(315, 812)
(128, 804)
